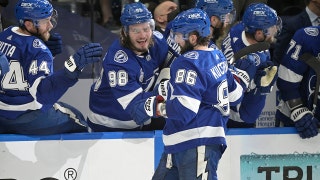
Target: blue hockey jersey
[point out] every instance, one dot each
(202, 89)
(296, 79)
(125, 78)
(30, 84)
(253, 103)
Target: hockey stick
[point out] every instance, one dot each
(260, 46)
(314, 63)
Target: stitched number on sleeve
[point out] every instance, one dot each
(33, 69)
(119, 78)
(222, 98)
(295, 53)
(14, 79)
(188, 77)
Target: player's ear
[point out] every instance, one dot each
(159, 19)
(259, 34)
(124, 31)
(214, 20)
(193, 39)
(28, 24)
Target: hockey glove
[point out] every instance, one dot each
(87, 54)
(265, 79)
(161, 85)
(144, 109)
(164, 75)
(4, 64)
(54, 44)
(162, 89)
(305, 123)
(245, 70)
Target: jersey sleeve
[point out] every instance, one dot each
(34, 75)
(291, 69)
(187, 86)
(235, 90)
(251, 107)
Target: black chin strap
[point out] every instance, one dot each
(38, 35)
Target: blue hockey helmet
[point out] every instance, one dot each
(34, 10)
(259, 16)
(193, 19)
(219, 8)
(135, 13)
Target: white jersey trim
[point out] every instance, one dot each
(288, 75)
(236, 94)
(190, 103)
(190, 134)
(34, 87)
(34, 105)
(235, 116)
(125, 100)
(113, 123)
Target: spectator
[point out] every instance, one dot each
(30, 90)
(129, 71)
(299, 106)
(107, 16)
(254, 28)
(164, 13)
(3, 3)
(308, 17)
(195, 104)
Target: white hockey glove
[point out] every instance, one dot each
(265, 79)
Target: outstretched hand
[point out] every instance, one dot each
(144, 109)
(87, 54)
(265, 78)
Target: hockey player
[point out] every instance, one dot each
(30, 90)
(195, 104)
(130, 69)
(296, 84)
(259, 23)
(222, 15)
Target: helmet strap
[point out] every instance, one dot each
(37, 34)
